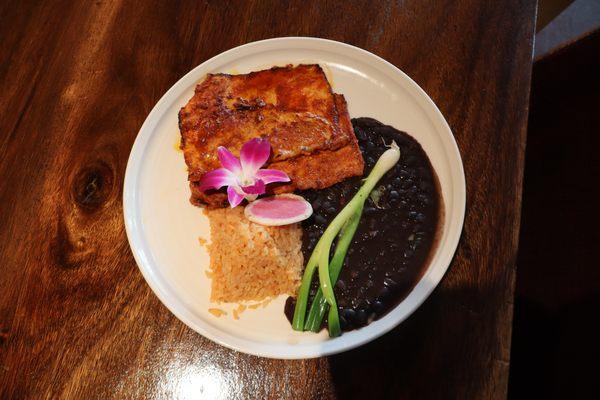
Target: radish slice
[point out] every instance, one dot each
(283, 209)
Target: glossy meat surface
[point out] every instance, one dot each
(326, 167)
(294, 107)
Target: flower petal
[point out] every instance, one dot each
(271, 175)
(254, 154)
(234, 197)
(216, 179)
(229, 161)
(257, 188)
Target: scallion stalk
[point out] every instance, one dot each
(319, 305)
(300, 309)
(320, 256)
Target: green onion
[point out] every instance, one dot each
(320, 256)
(300, 309)
(319, 306)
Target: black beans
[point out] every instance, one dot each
(360, 318)
(410, 160)
(394, 236)
(377, 306)
(316, 204)
(385, 293)
(349, 314)
(389, 282)
(343, 323)
(319, 219)
(369, 210)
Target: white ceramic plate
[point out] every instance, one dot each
(163, 227)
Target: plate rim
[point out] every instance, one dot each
(312, 350)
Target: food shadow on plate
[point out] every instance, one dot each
(427, 355)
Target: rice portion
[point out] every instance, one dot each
(251, 262)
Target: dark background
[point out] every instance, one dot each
(555, 348)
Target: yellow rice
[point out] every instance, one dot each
(251, 262)
(217, 312)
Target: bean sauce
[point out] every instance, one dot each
(396, 234)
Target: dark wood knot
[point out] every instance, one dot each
(3, 336)
(93, 186)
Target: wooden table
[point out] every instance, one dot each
(77, 80)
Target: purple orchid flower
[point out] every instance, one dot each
(243, 177)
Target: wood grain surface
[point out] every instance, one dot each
(77, 80)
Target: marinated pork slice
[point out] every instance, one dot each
(293, 107)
